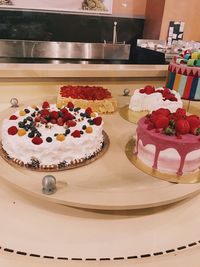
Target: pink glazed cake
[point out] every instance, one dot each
(169, 142)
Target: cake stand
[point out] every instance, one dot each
(109, 183)
(130, 227)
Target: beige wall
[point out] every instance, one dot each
(129, 8)
(182, 10)
(153, 19)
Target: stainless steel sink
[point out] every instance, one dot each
(23, 49)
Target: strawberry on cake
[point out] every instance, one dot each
(96, 97)
(51, 137)
(150, 98)
(169, 141)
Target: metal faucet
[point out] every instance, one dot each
(115, 32)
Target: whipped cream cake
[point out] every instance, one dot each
(169, 142)
(52, 136)
(150, 98)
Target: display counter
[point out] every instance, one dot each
(39, 232)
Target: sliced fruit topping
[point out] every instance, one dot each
(60, 137)
(89, 130)
(22, 113)
(12, 130)
(21, 132)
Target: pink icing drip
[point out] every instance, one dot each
(183, 146)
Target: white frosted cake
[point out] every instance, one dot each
(51, 137)
(150, 98)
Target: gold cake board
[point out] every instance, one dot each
(131, 116)
(183, 179)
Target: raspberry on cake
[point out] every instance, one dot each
(150, 98)
(96, 97)
(169, 142)
(48, 137)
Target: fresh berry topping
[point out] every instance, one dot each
(194, 122)
(195, 130)
(12, 130)
(21, 124)
(29, 118)
(91, 122)
(71, 123)
(53, 121)
(21, 132)
(64, 110)
(27, 110)
(44, 112)
(148, 89)
(161, 121)
(54, 114)
(37, 140)
(97, 121)
(182, 126)
(45, 104)
(162, 111)
(180, 113)
(31, 134)
(76, 134)
(88, 110)
(60, 137)
(68, 116)
(37, 119)
(67, 131)
(84, 127)
(49, 139)
(89, 130)
(13, 117)
(60, 121)
(70, 105)
(85, 92)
